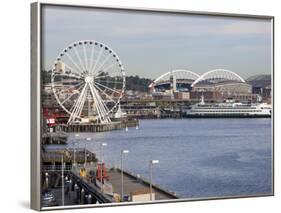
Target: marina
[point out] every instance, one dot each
(223, 157)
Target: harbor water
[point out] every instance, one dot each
(198, 158)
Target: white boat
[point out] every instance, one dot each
(229, 108)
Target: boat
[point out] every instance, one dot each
(228, 109)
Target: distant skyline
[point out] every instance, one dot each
(150, 44)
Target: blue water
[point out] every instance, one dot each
(198, 157)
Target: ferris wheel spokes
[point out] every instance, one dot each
(103, 115)
(77, 106)
(91, 57)
(103, 107)
(75, 64)
(102, 64)
(93, 74)
(114, 91)
(108, 81)
(85, 58)
(108, 96)
(79, 58)
(98, 59)
(105, 70)
(105, 74)
(72, 69)
(70, 96)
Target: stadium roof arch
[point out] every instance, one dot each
(178, 74)
(219, 75)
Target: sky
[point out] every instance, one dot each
(150, 44)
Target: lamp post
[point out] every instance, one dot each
(47, 180)
(150, 165)
(62, 179)
(122, 181)
(101, 163)
(74, 150)
(85, 156)
(74, 155)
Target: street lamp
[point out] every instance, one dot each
(150, 165)
(101, 163)
(74, 149)
(74, 154)
(47, 180)
(62, 179)
(122, 182)
(85, 156)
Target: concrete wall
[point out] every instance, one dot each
(142, 197)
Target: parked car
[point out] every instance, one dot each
(48, 199)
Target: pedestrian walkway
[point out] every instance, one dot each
(133, 184)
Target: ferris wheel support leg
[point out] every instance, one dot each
(99, 109)
(80, 109)
(104, 108)
(77, 105)
(103, 113)
(97, 105)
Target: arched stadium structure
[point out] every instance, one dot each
(218, 75)
(175, 80)
(214, 85)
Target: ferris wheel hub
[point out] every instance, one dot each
(89, 79)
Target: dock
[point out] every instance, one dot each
(72, 176)
(133, 183)
(85, 127)
(82, 190)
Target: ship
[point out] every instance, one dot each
(228, 109)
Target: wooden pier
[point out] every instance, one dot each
(97, 127)
(54, 157)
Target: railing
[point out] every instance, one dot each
(56, 167)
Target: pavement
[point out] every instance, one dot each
(132, 184)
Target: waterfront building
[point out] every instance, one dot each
(60, 67)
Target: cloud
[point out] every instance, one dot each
(162, 40)
(192, 28)
(128, 23)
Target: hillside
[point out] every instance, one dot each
(259, 80)
(135, 83)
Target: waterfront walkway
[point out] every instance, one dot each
(133, 184)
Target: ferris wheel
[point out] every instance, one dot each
(88, 81)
